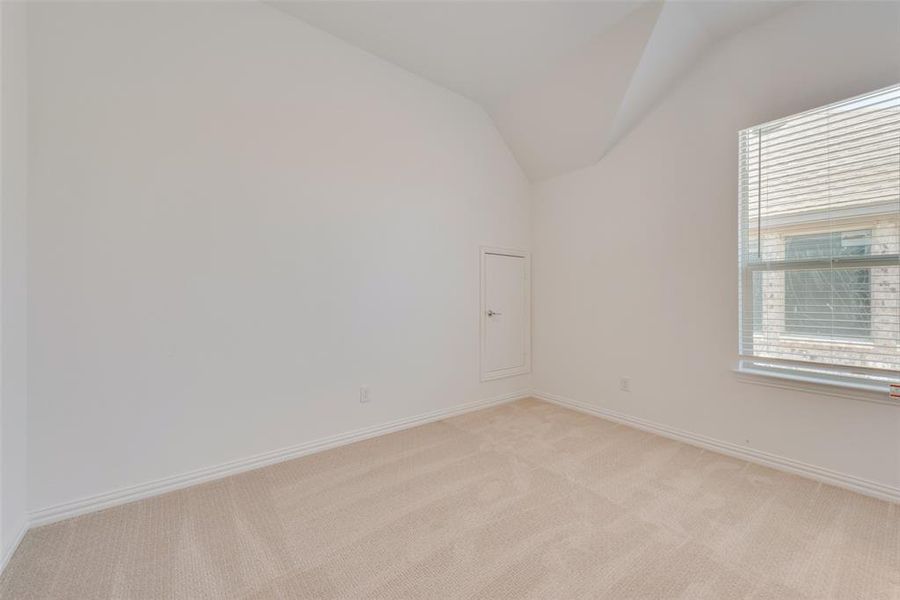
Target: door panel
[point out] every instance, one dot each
(505, 318)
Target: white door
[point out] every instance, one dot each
(505, 318)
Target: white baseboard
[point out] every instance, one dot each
(161, 486)
(8, 553)
(843, 480)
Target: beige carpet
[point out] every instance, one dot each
(526, 500)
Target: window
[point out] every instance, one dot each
(820, 243)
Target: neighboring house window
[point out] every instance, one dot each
(828, 303)
(820, 242)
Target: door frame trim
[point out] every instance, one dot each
(483, 253)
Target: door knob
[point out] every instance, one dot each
(492, 313)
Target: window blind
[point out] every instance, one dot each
(819, 245)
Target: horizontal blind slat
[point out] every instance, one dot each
(819, 246)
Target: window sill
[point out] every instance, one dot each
(811, 384)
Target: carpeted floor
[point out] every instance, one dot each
(525, 500)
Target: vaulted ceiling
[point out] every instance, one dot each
(564, 81)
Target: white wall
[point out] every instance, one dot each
(13, 282)
(235, 221)
(636, 257)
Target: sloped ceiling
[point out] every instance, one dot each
(564, 81)
(560, 120)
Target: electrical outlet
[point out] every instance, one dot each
(364, 394)
(625, 384)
